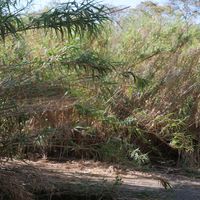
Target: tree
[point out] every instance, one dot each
(189, 8)
(69, 18)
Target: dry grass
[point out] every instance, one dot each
(12, 188)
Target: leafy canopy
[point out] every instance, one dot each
(69, 18)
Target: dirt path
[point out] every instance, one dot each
(126, 183)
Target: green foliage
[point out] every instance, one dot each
(72, 18)
(182, 141)
(112, 151)
(133, 81)
(138, 157)
(118, 151)
(10, 21)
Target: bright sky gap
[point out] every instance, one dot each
(39, 4)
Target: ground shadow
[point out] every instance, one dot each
(47, 184)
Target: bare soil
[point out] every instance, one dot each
(48, 179)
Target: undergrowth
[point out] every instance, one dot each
(129, 93)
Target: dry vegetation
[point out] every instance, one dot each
(125, 91)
